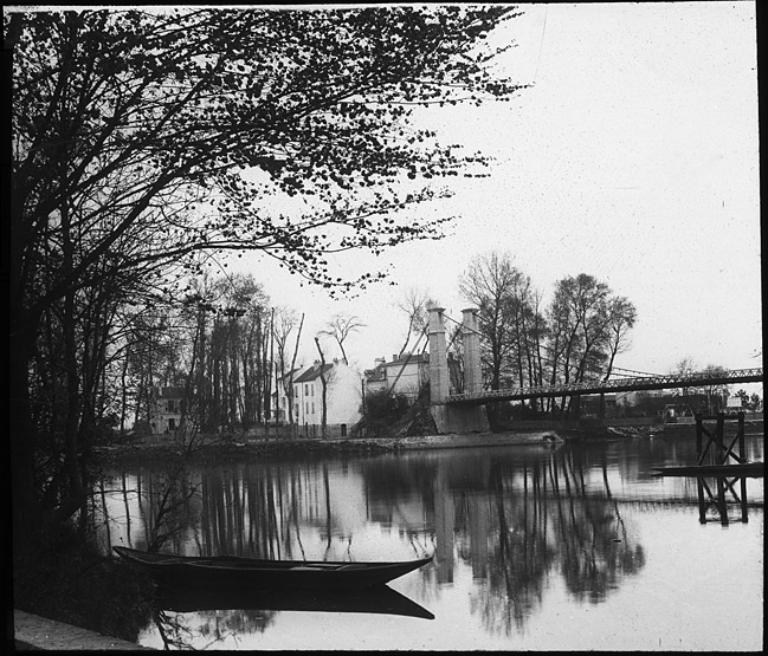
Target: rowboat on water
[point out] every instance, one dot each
(239, 571)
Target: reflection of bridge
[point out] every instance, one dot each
(463, 412)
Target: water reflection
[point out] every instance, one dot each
(183, 615)
(716, 506)
(380, 599)
(517, 521)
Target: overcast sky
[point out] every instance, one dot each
(633, 157)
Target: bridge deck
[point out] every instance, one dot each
(615, 385)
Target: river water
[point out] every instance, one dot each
(575, 548)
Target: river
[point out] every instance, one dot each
(575, 548)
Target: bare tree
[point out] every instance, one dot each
(340, 327)
(289, 383)
(621, 319)
(489, 283)
(684, 367)
(414, 304)
(324, 380)
(622, 315)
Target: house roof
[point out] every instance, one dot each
(379, 372)
(287, 375)
(312, 373)
(416, 358)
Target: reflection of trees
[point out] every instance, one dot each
(182, 630)
(543, 518)
(593, 555)
(519, 561)
(516, 519)
(164, 501)
(254, 510)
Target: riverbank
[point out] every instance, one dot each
(34, 633)
(530, 434)
(215, 449)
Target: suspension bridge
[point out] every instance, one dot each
(461, 412)
(617, 384)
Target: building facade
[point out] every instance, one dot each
(166, 410)
(343, 399)
(403, 374)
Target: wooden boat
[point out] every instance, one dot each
(238, 571)
(379, 599)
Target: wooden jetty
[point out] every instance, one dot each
(748, 469)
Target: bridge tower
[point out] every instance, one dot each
(454, 419)
(438, 362)
(473, 381)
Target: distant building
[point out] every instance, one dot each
(165, 410)
(403, 374)
(590, 405)
(343, 398)
(376, 378)
(280, 396)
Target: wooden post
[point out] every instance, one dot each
(744, 513)
(702, 503)
(742, 445)
(743, 458)
(719, 437)
(721, 505)
(699, 437)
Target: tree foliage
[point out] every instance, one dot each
(143, 140)
(576, 338)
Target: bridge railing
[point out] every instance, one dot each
(640, 382)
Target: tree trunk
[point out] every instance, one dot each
(290, 373)
(27, 512)
(324, 385)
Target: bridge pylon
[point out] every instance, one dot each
(454, 419)
(473, 380)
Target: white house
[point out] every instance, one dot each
(735, 403)
(404, 374)
(165, 410)
(280, 396)
(343, 398)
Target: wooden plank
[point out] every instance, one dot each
(750, 469)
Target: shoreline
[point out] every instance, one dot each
(545, 436)
(33, 632)
(223, 449)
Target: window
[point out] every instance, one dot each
(313, 407)
(171, 405)
(343, 430)
(306, 389)
(313, 389)
(171, 423)
(306, 407)
(296, 390)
